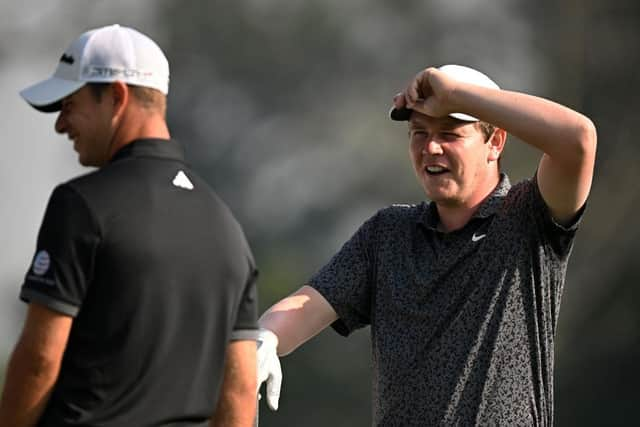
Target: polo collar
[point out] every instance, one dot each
(430, 218)
(150, 147)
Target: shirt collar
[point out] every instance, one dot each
(487, 208)
(151, 147)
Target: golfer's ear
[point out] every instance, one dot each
(496, 143)
(119, 97)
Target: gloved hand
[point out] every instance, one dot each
(269, 366)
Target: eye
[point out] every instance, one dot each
(418, 134)
(66, 105)
(450, 136)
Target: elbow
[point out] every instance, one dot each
(39, 367)
(33, 366)
(587, 138)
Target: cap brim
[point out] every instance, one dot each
(464, 117)
(404, 114)
(47, 95)
(400, 114)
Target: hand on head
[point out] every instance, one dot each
(431, 91)
(428, 93)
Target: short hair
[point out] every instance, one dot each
(151, 99)
(487, 129)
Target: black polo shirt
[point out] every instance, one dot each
(158, 275)
(462, 323)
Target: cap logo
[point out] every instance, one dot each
(94, 71)
(68, 59)
(41, 263)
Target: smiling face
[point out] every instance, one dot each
(87, 122)
(453, 161)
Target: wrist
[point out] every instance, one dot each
(268, 337)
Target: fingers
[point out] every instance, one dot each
(420, 87)
(263, 373)
(399, 100)
(273, 386)
(426, 93)
(420, 106)
(269, 369)
(413, 92)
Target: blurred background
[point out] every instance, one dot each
(282, 107)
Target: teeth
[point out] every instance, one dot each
(435, 169)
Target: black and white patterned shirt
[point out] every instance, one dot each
(462, 323)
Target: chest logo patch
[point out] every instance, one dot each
(41, 263)
(181, 180)
(477, 237)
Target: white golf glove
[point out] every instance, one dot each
(269, 366)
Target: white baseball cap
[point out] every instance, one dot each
(458, 72)
(102, 55)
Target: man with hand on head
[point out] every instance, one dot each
(142, 299)
(463, 291)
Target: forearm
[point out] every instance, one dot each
(556, 130)
(237, 403)
(27, 388)
(233, 410)
(297, 318)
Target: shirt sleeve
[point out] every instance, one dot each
(346, 281)
(62, 267)
(559, 237)
(246, 326)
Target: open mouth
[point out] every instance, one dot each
(435, 170)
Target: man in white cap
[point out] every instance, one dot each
(142, 299)
(462, 292)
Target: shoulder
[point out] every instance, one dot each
(524, 194)
(524, 186)
(69, 194)
(401, 212)
(397, 216)
(92, 183)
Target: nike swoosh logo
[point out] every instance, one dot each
(475, 238)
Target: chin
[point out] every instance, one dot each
(442, 196)
(436, 192)
(82, 161)
(86, 162)
(441, 199)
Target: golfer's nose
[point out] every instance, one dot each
(61, 123)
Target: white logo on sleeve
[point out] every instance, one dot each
(477, 237)
(41, 263)
(182, 181)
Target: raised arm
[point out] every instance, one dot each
(567, 138)
(237, 403)
(34, 366)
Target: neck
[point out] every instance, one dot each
(454, 216)
(137, 126)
